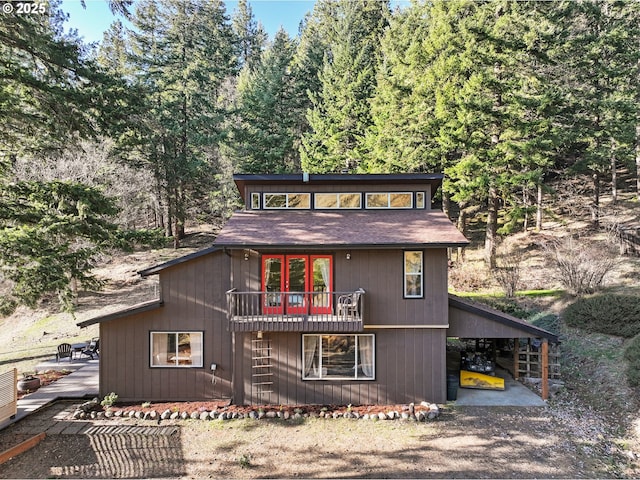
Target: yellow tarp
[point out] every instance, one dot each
(479, 380)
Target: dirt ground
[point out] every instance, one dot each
(496, 442)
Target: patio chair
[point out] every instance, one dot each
(349, 304)
(64, 350)
(92, 349)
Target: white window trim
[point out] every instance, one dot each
(286, 207)
(388, 194)
(342, 379)
(176, 332)
(255, 195)
(338, 206)
(405, 273)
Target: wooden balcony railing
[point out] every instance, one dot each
(295, 311)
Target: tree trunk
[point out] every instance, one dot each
(539, 208)
(525, 204)
(638, 162)
(462, 226)
(492, 227)
(614, 173)
(595, 207)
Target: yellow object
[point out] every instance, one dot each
(480, 380)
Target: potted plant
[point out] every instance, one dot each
(28, 383)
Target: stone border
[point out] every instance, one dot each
(91, 410)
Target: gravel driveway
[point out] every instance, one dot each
(464, 442)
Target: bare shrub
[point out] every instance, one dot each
(581, 267)
(469, 277)
(508, 269)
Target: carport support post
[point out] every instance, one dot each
(545, 369)
(516, 358)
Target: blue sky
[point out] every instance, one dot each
(96, 18)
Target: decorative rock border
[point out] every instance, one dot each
(424, 412)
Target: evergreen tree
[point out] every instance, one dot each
(184, 53)
(250, 35)
(599, 78)
(49, 89)
(265, 139)
(49, 235)
(341, 112)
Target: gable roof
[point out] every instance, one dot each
(491, 314)
(176, 261)
(345, 228)
(139, 308)
(242, 180)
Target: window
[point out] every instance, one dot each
(176, 349)
(337, 200)
(413, 267)
(255, 201)
(390, 200)
(420, 200)
(338, 357)
(287, 200)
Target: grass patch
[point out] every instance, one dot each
(632, 355)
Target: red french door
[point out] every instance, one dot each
(297, 284)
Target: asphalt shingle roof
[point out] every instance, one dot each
(348, 228)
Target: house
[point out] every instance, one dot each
(324, 289)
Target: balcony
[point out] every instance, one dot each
(295, 311)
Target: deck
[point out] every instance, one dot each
(295, 311)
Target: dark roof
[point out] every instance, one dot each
(345, 228)
(434, 179)
(497, 316)
(139, 308)
(156, 268)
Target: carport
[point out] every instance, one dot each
(472, 320)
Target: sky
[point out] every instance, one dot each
(96, 18)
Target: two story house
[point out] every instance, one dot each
(323, 289)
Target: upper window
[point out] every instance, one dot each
(338, 357)
(176, 349)
(390, 200)
(287, 200)
(337, 200)
(413, 274)
(255, 201)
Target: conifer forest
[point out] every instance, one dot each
(132, 139)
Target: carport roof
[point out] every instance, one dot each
(509, 322)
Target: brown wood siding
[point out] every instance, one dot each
(465, 324)
(410, 367)
(380, 273)
(194, 301)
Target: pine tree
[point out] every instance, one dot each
(184, 53)
(250, 35)
(341, 112)
(265, 139)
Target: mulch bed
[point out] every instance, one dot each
(46, 378)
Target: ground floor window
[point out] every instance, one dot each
(338, 357)
(176, 349)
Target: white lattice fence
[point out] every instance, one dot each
(8, 394)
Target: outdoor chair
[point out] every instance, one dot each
(349, 304)
(92, 349)
(64, 350)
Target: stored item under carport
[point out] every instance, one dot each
(480, 380)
